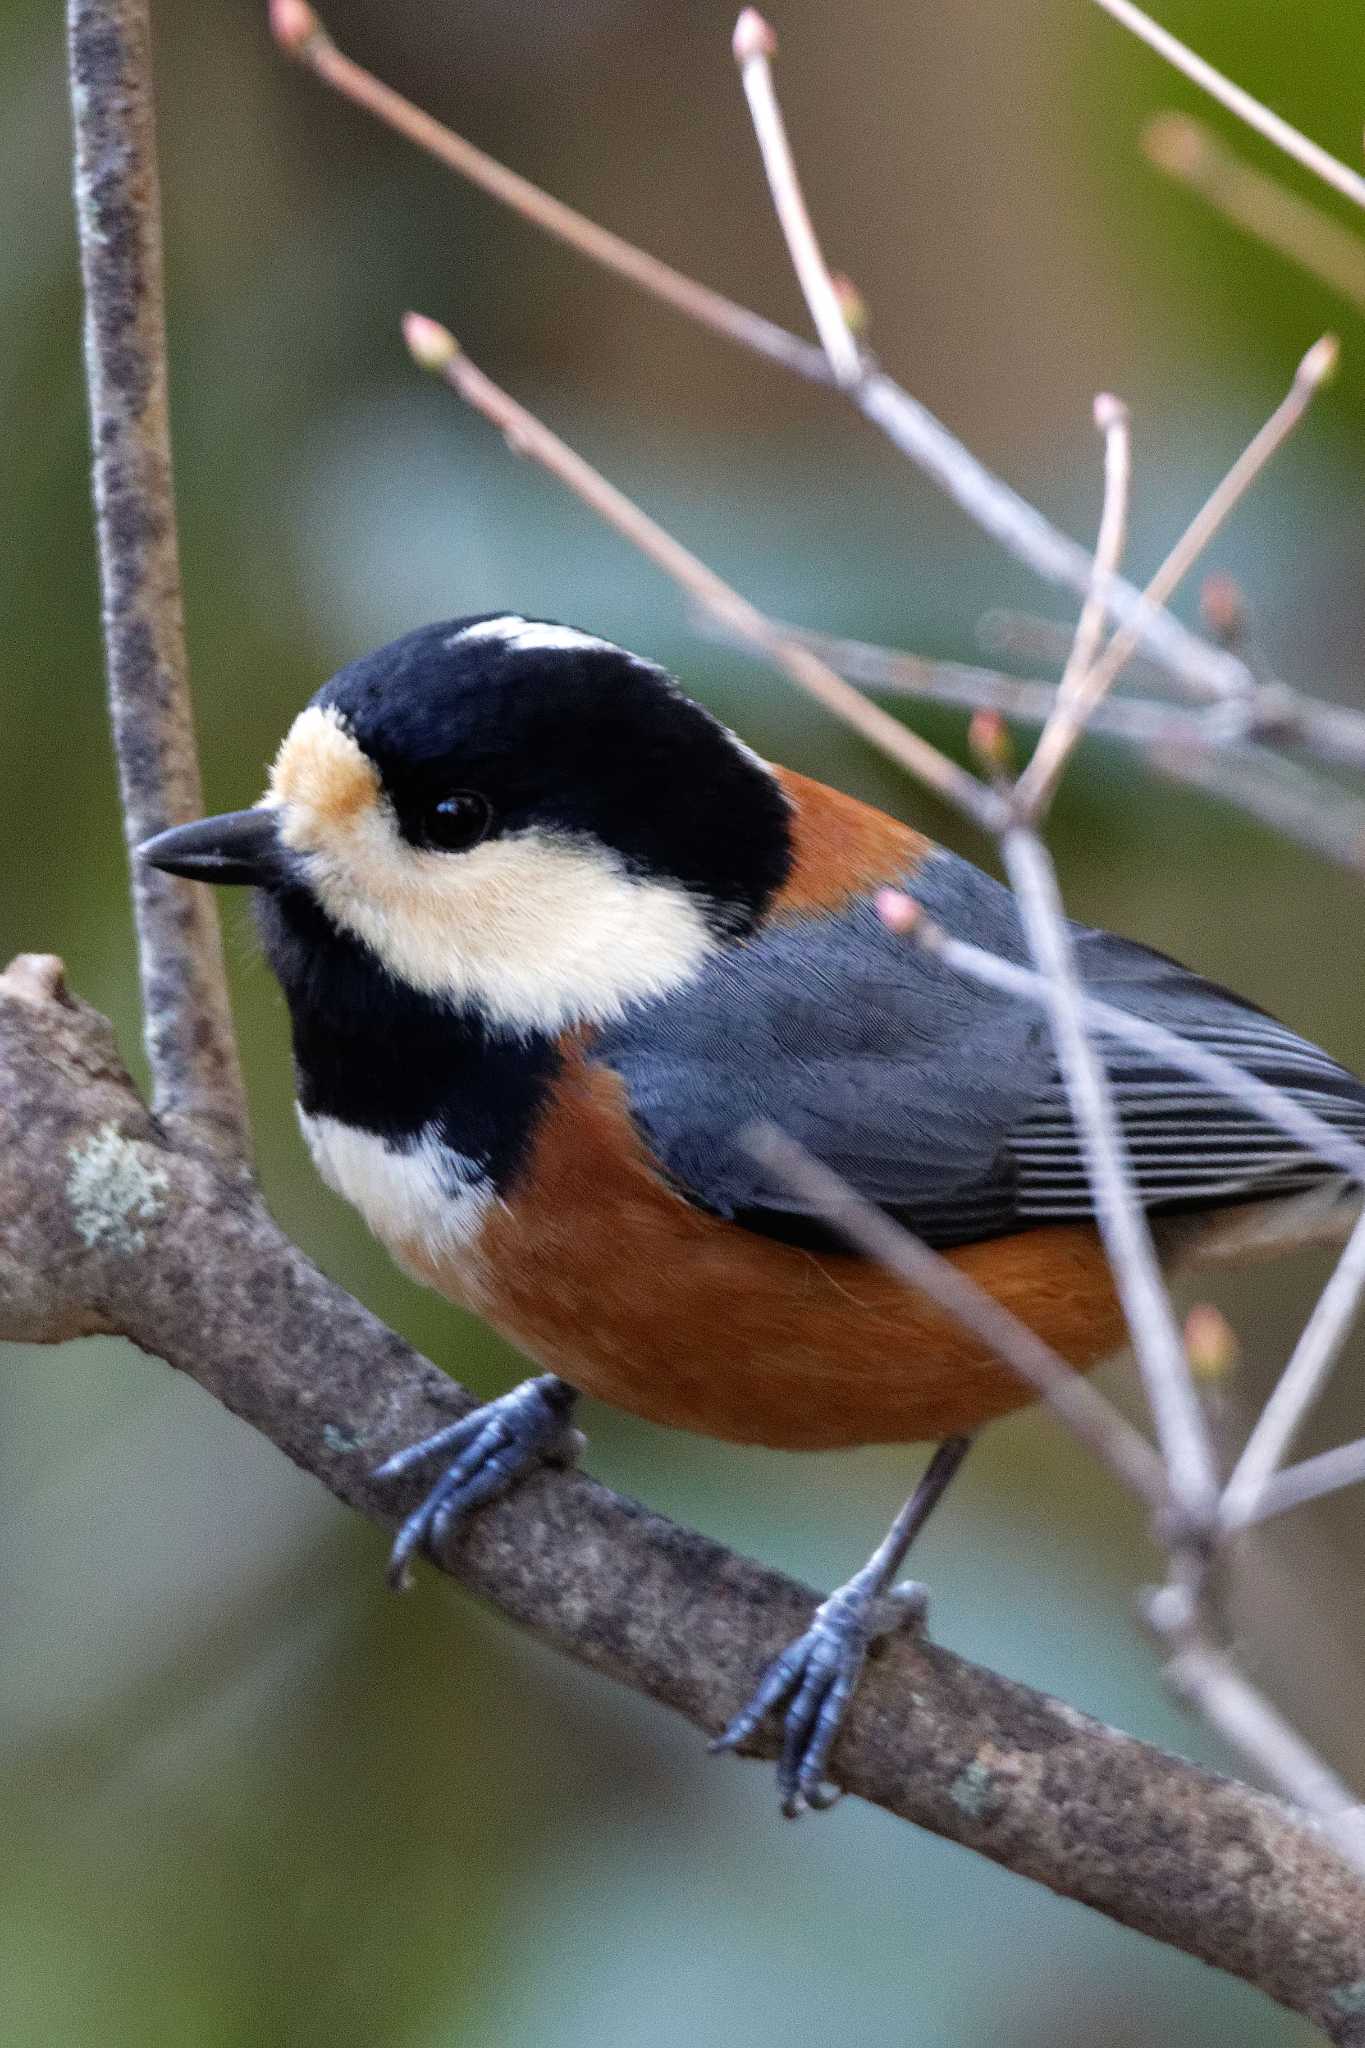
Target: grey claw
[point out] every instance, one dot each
(494, 1445)
(812, 1681)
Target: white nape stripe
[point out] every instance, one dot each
(526, 636)
(420, 1194)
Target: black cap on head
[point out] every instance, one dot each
(560, 731)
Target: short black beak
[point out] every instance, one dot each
(241, 846)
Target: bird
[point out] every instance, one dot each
(551, 938)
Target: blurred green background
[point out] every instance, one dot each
(244, 1795)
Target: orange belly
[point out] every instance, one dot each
(599, 1272)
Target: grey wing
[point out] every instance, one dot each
(939, 1099)
(1191, 1146)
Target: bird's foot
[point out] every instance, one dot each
(489, 1449)
(815, 1677)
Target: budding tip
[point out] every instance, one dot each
(1320, 363)
(1175, 143)
(1210, 1342)
(988, 736)
(1223, 606)
(753, 37)
(1110, 412)
(431, 346)
(852, 304)
(293, 24)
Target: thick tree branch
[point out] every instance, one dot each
(189, 1032)
(105, 1224)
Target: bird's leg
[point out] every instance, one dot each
(814, 1678)
(488, 1449)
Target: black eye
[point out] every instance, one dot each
(458, 821)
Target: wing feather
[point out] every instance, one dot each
(941, 1100)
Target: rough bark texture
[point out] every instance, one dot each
(109, 1223)
(189, 1030)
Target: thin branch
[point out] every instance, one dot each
(436, 350)
(1300, 1384)
(1310, 154)
(1190, 749)
(299, 31)
(1095, 1421)
(1210, 1682)
(1208, 673)
(188, 1028)
(1292, 801)
(1273, 714)
(755, 45)
(1003, 631)
(1099, 678)
(1329, 1472)
(1181, 1424)
(199, 1274)
(1082, 690)
(1260, 205)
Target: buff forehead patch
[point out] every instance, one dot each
(321, 771)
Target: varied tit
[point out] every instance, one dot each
(551, 937)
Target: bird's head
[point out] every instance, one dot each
(508, 815)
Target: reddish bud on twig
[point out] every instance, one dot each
(431, 346)
(293, 25)
(988, 736)
(753, 37)
(1223, 607)
(852, 304)
(1210, 1342)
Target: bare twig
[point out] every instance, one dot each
(1209, 1681)
(1181, 1425)
(1191, 748)
(187, 1024)
(1310, 154)
(1005, 632)
(1273, 713)
(1300, 1384)
(435, 349)
(1082, 690)
(1299, 805)
(1208, 673)
(1100, 676)
(1095, 1421)
(1329, 1472)
(1194, 156)
(755, 45)
(300, 32)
